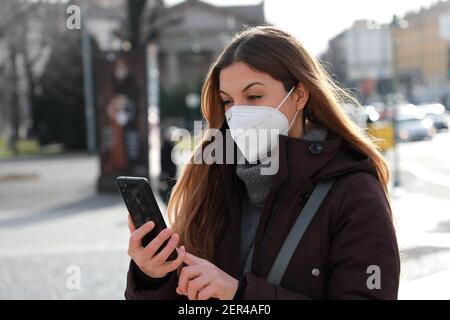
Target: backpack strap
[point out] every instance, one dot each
(298, 230)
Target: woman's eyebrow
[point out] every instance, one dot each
(247, 87)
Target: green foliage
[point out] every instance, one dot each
(59, 110)
(173, 102)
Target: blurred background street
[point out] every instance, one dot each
(83, 101)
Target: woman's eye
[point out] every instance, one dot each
(225, 103)
(254, 97)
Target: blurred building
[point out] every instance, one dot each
(336, 55)
(410, 54)
(361, 57)
(422, 54)
(104, 18)
(186, 48)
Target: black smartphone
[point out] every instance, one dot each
(142, 206)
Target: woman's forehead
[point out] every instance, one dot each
(239, 75)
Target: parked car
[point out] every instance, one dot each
(413, 124)
(436, 112)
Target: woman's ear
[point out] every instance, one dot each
(301, 96)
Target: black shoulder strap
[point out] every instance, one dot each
(296, 234)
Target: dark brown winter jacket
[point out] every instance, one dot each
(349, 250)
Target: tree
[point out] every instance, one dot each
(44, 55)
(12, 17)
(59, 108)
(26, 37)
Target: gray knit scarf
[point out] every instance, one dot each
(258, 186)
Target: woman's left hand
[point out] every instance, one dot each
(202, 280)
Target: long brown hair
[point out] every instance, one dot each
(196, 206)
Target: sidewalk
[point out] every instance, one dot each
(421, 208)
(433, 287)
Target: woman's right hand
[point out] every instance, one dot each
(152, 264)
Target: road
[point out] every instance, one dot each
(52, 220)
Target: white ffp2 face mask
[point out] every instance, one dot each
(255, 129)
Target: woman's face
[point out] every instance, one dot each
(241, 85)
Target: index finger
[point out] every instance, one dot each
(136, 236)
(131, 224)
(190, 259)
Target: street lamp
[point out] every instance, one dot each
(88, 81)
(402, 24)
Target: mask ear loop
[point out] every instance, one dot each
(296, 114)
(285, 98)
(292, 123)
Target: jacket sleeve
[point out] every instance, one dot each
(256, 288)
(142, 287)
(364, 260)
(363, 244)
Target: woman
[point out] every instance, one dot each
(232, 220)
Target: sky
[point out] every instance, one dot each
(314, 22)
